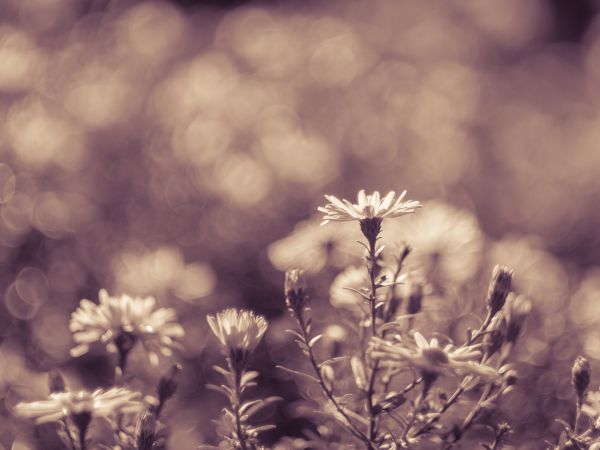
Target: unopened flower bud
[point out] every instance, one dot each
(295, 290)
(167, 386)
(499, 288)
(146, 431)
(56, 382)
(493, 340)
(405, 252)
(518, 309)
(510, 377)
(415, 298)
(580, 376)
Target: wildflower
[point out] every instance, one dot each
(239, 332)
(499, 288)
(446, 242)
(122, 321)
(580, 377)
(76, 404)
(432, 359)
(295, 290)
(368, 207)
(312, 247)
(369, 211)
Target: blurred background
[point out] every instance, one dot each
(180, 149)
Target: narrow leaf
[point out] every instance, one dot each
(314, 340)
(296, 372)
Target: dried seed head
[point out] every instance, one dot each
(296, 296)
(580, 376)
(499, 288)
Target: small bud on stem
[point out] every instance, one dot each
(580, 377)
(499, 288)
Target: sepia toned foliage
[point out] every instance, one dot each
(174, 154)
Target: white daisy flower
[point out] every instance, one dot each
(368, 207)
(430, 358)
(100, 403)
(122, 321)
(238, 329)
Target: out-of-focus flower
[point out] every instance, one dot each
(238, 329)
(432, 359)
(368, 207)
(446, 242)
(518, 308)
(162, 270)
(342, 293)
(120, 321)
(311, 247)
(64, 404)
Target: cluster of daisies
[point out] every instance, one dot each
(388, 361)
(121, 323)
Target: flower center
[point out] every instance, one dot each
(435, 355)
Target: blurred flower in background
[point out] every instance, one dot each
(180, 149)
